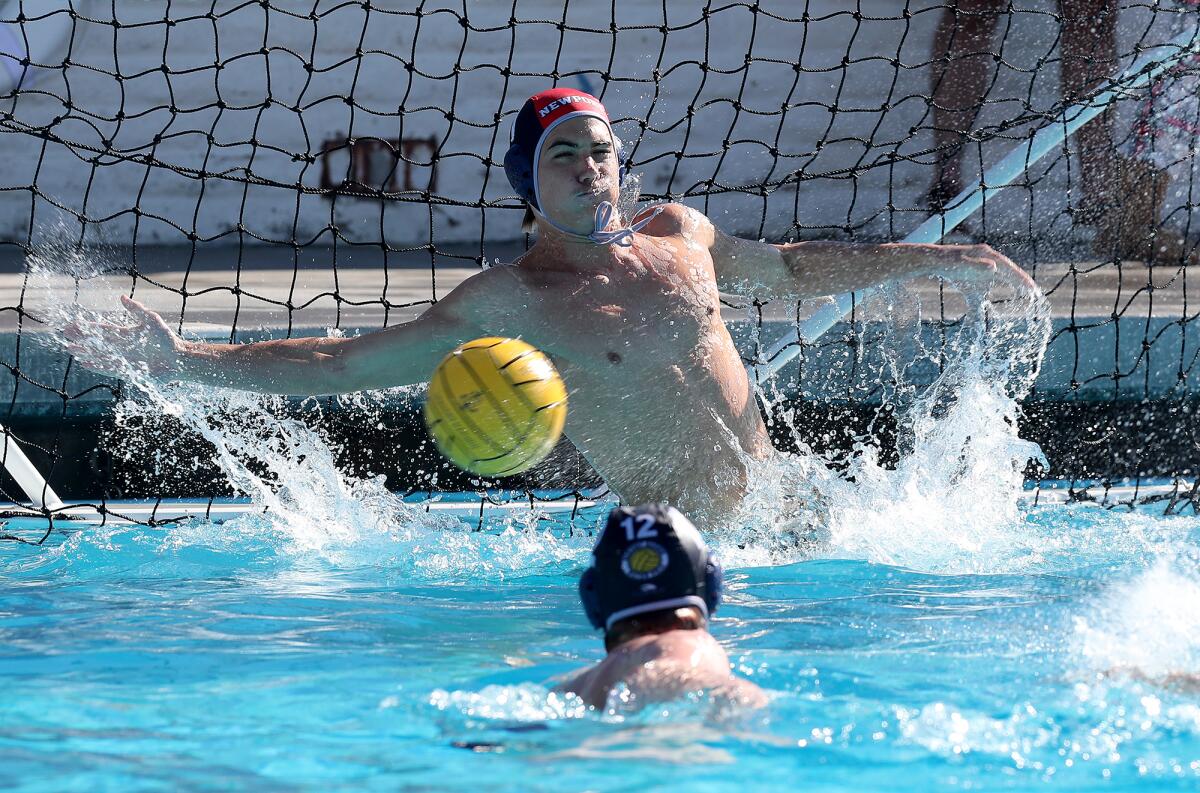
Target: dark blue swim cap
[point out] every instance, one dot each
(648, 558)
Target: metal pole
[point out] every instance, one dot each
(1140, 74)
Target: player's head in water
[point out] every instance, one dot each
(564, 160)
(651, 572)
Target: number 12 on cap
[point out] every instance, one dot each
(645, 527)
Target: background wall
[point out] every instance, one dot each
(249, 94)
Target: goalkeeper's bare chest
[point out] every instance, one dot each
(651, 298)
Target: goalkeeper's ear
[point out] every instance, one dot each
(528, 224)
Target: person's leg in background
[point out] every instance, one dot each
(963, 69)
(1122, 195)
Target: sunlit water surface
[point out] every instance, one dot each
(223, 657)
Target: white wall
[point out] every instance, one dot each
(290, 111)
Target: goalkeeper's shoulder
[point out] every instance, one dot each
(674, 219)
(495, 285)
(497, 293)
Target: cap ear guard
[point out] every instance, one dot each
(714, 584)
(587, 595)
(519, 171)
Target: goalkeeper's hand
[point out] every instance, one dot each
(142, 343)
(981, 267)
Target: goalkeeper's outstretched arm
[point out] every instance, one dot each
(803, 270)
(400, 355)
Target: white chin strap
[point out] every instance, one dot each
(601, 234)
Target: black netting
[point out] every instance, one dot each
(271, 169)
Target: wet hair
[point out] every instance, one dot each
(686, 618)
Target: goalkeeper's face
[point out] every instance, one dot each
(577, 170)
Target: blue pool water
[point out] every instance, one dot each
(917, 626)
(237, 657)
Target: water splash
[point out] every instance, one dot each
(527, 702)
(534, 703)
(628, 197)
(945, 729)
(287, 469)
(1146, 627)
(950, 504)
(531, 719)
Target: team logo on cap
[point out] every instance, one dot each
(566, 101)
(644, 560)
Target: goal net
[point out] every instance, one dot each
(278, 168)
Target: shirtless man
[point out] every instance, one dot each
(660, 404)
(652, 587)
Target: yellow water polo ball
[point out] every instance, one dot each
(496, 406)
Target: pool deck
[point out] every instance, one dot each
(362, 297)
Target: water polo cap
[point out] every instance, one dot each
(540, 114)
(648, 558)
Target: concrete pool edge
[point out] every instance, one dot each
(474, 506)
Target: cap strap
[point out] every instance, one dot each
(604, 213)
(622, 236)
(657, 605)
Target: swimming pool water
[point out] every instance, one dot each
(230, 657)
